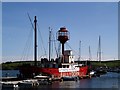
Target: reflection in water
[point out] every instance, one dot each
(110, 80)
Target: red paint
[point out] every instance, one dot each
(53, 71)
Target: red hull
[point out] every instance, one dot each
(31, 70)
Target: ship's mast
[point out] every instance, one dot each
(49, 44)
(35, 41)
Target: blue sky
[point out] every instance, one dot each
(84, 20)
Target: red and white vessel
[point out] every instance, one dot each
(64, 66)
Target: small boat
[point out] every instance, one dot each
(101, 71)
(44, 81)
(9, 85)
(92, 73)
(68, 78)
(41, 77)
(27, 83)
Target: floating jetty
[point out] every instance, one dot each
(24, 83)
(14, 82)
(10, 84)
(28, 83)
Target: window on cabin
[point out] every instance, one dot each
(64, 66)
(67, 66)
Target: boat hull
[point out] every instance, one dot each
(32, 70)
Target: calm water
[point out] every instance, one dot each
(10, 73)
(109, 80)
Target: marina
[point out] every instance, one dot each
(62, 45)
(59, 70)
(64, 68)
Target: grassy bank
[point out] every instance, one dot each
(15, 65)
(106, 63)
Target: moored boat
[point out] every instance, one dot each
(63, 66)
(9, 84)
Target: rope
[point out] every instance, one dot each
(73, 50)
(30, 20)
(41, 40)
(54, 43)
(26, 49)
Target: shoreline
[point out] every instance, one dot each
(94, 64)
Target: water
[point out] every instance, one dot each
(109, 80)
(9, 73)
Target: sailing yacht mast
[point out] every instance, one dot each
(90, 56)
(99, 50)
(49, 44)
(79, 50)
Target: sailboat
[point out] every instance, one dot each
(63, 66)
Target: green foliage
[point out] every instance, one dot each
(106, 63)
(16, 65)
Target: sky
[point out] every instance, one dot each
(60, 1)
(1, 32)
(84, 20)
